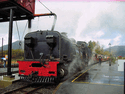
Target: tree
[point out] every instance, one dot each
(106, 53)
(90, 45)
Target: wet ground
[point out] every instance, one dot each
(99, 79)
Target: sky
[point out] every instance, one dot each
(84, 21)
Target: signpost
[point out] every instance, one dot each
(110, 54)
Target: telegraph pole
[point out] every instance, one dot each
(110, 54)
(2, 47)
(10, 43)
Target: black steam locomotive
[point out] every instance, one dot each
(48, 54)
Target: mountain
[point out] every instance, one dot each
(117, 50)
(15, 45)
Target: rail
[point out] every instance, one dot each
(28, 89)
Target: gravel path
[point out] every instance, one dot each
(13, 86)
(47, 89)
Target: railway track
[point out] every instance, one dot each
(29, 89)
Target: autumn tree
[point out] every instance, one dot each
(90, 45)
(95, 46)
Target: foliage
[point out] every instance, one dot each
(21, 59)
(99, 49)
(16, 54)
(113, 59)
(106, 53)
(119, 57)
(91, 45)
(123, 57)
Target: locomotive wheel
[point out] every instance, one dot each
(62, 71)
(60, 74)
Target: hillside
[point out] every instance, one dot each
(15, 45)
(117, 50)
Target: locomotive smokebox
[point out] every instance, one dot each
(51, 40)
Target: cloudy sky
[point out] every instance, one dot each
(95, 21)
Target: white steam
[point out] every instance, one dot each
(92, 60)
(78, 65)
(75, 66)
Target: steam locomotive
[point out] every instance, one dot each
(48, 54)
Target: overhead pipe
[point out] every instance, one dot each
(29, 23)
(48, 14)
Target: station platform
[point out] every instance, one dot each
(6, 80)
(12, 65)
(98, 79)
(5, 69)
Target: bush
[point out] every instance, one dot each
(119, 57)
(123, 57)
(113, 59)
(21, 59)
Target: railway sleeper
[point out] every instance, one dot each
(38, 79)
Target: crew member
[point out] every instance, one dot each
(100, 60)
(4, 60)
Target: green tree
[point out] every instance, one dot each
(90, 45)
(106, 53)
